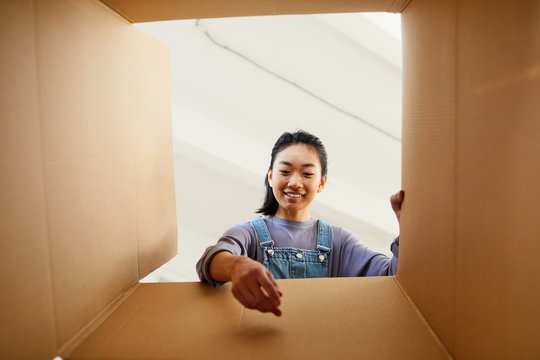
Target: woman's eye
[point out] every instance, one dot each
(284, 172)
(308, 174)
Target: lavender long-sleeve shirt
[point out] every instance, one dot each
(348, 256)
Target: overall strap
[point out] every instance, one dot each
(323, 237)
(262, 232)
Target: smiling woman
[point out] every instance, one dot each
(287, 242)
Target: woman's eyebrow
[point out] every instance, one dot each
(289, 164)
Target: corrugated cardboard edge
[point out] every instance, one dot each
(67, 349)
(422, 318)
(120, 14)
(398, 6)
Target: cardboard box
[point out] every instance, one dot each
(86, 194)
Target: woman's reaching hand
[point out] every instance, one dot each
(251, 283)
(254, 286)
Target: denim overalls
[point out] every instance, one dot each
(293, 263)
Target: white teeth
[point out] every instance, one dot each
(294, 195)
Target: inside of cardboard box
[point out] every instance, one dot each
(80, 235)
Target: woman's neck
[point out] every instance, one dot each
(293, 215)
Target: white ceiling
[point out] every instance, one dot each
(238, 83)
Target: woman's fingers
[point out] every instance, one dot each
(396, 200)
(262, 301)
(265, 294)
(273, 280)
(271, 288)
(248, 282)
(251, 296)
(271, 292)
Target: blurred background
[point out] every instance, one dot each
(239, 83)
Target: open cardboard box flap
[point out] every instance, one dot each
(87, 193)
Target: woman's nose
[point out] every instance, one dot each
(294, 181)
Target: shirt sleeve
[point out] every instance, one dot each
(353, 258)
(238, 240)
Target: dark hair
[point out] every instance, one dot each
(270, 205)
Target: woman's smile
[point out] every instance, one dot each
(293, 195)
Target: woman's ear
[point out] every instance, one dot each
(321, 185)
(270, 177)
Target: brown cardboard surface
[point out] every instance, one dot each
(88, 177)
(498, 166)
(78, 218)
(347, 318)
(155, 201)
(427, 241)
(79, 238)
(471, 120)
(159, 10)
(154, 241)
(26, 304)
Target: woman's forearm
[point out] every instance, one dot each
(222, 264)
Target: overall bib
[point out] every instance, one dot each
(293, 263)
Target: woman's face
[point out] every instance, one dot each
(295, 180)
